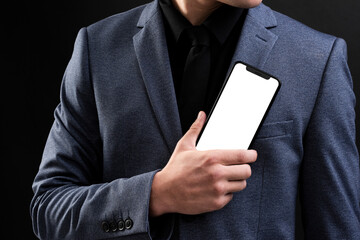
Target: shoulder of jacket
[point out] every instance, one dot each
(302, 38)
(291, 28)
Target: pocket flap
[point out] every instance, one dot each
(277, 129)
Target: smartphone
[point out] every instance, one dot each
(240, 108)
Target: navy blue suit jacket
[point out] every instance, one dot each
(118, 123)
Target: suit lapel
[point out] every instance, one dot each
(256, 41)
(151, 51)
(254, 47)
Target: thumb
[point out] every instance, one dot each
(192, 134)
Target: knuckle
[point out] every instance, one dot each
(241, 156)
(195, 126)
(216, 173)
(210, 158)
(219, 189)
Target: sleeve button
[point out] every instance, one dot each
(121, 225)
(105, 226)
(113, 226)
(128, 223)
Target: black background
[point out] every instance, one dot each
(39, 38)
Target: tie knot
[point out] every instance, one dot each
(198, 35)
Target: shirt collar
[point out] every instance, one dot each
(219, 23)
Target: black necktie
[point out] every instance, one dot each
(195, 76)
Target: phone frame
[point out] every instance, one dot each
(255, 71)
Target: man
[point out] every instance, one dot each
(117, 165)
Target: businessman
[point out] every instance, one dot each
(120, 161)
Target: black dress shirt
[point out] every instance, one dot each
(224, 26)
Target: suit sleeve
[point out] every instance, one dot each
(329, 183)
(70, 202)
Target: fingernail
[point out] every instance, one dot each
(200, 115)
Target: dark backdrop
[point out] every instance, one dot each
(39, 38)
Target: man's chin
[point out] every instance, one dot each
(242, 3)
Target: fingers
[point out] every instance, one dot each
(235, 186)
(237, 172)
(233, 157)
(233, 177)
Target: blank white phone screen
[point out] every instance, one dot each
(239, 111)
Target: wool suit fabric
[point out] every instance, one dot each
(117, 124)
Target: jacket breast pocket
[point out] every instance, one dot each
(274, 130)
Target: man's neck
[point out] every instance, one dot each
(196, 11)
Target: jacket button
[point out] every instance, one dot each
(121, 225)
(113, 226)
(128, 223)
(105, 226)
